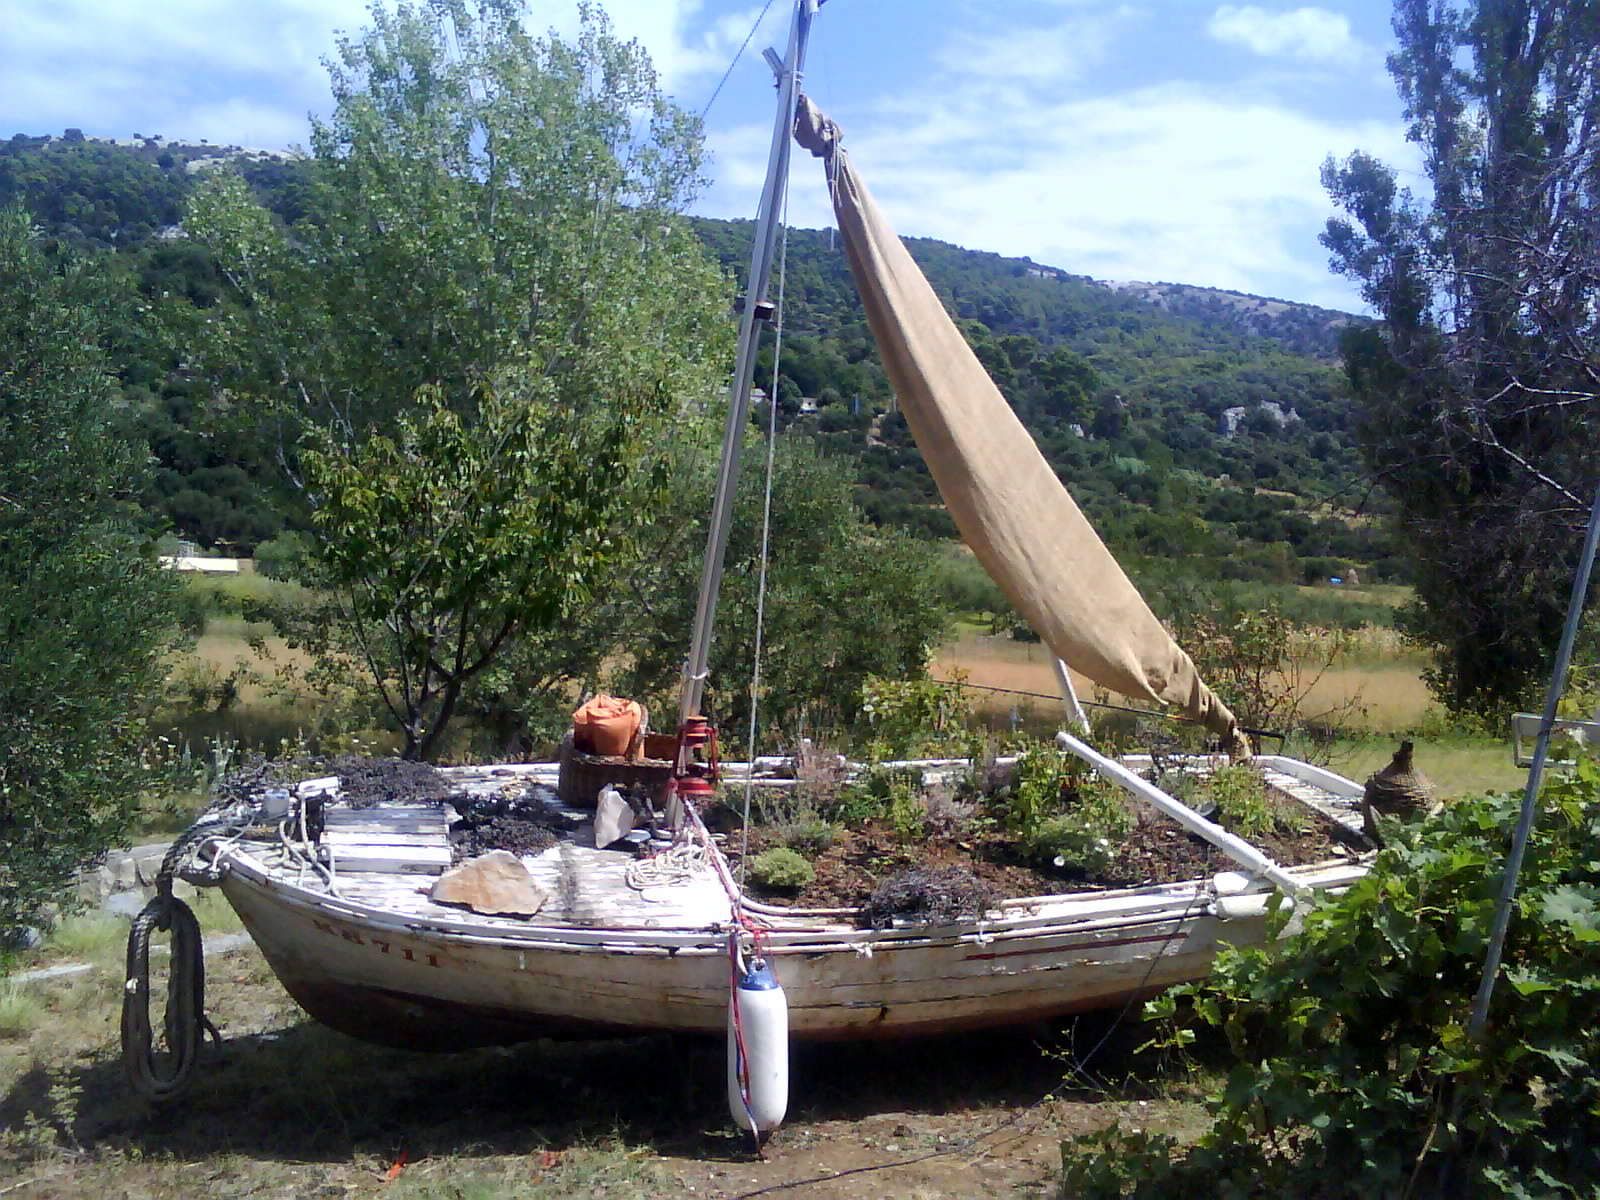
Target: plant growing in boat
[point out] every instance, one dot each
(908, 814)
(946, 813)
(1035, 796)
(1240, 794)
(781, 869)
(807, 833)
(869, 798)
(1084, 837)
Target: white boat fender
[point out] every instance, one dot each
(758, 1051)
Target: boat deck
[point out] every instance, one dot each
(586, 887)
(388, 856)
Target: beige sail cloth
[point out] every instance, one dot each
(1008, 504)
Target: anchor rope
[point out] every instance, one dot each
(185, 1018)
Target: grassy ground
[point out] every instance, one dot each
(289, 1109)
(1457, 765)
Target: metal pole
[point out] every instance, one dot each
(1519, 843)
(761, 256)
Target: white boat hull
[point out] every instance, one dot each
(443, 984)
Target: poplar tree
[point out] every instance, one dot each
(1479, 393)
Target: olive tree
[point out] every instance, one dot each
(479, 341)
(844, 602)
(85, 612)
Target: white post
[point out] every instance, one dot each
(1236, 848)
(1069, 696)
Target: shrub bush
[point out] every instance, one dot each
(1354, 1074)
(1240, 795)
(807, 834)
(1067, 844)
(781, 869)
(284, 557)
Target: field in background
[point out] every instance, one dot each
(1384, 677)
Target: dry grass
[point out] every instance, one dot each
(1385, 697)
(226, 644)
(1388, 688)
(990, 661)
(88, 937)
(21, 1011)
(290, 1109)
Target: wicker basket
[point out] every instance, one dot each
(583, 775)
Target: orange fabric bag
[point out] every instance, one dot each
(607, 725)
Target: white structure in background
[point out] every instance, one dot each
(190, 562)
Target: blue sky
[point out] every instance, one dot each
(1156, 139)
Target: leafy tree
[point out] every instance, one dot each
(479, 341)
(84, 610)
(1480, 394)
(844, 602)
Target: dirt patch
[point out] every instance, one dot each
(363, 782)
(1157, 850)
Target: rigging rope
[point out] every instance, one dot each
(766, 533)
(738, 54)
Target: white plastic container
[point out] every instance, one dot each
(763, 1017)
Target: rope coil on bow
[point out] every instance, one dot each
(185, 1018)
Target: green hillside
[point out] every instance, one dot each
(1126, 398)
(1127, 388)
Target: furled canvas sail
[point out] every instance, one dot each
(1010, 507)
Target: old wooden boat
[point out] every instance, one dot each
(616, 952)
(340, 904)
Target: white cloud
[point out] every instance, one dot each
(184, 68)
(1175, 181)
(1055, 53)
(249, 73)
(1303, 34)
(684, 44)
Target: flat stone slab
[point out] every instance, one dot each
(496, 884)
